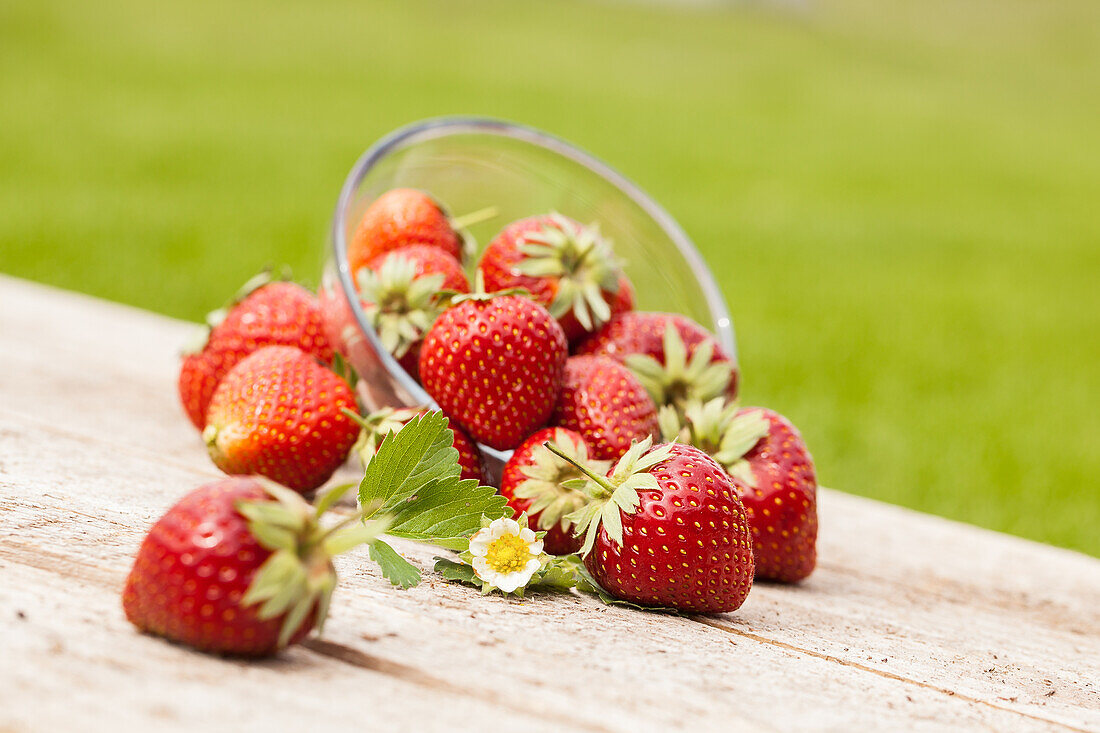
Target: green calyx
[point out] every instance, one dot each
(717, 428)
(680, 381)
(461, 224)
(547, 478)
(582, 261)
(376, 426)
(608, 495)
(298, 577)
(400, 306)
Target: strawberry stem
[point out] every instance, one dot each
(600, 480)
(474, 217)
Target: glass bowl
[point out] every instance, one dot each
(468, 164)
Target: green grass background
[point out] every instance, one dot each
(901, 200)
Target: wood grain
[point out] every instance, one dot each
(911, 622)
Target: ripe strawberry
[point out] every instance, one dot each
(398, 218)
(263, 313)
(494, 363)
(677, 359)
(604, 402)
(774, 475)
(533, 482)
(567, 267)
(380, 423)
(278, 414)
(427, 260)
(665, 528)
(236, 567)
(399, 292)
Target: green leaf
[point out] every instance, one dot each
(395, 568)
(415, 474)
(458, 572)
(408, 460)
(446, 512)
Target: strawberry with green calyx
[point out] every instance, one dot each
(240, 566)
(680, 380)
(380, 423)
(774, 476)
(665, 528)
(494, 363)
(414, 477)
(603, 401)
(506, 555)
(534, 481)
(567, 267)
(643, 333)
(266, 311)
(279, 413)
(399, 298)
(404, 216)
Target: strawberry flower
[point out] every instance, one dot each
(505, 554)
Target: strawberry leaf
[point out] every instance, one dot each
(395, 568)
(414, 478)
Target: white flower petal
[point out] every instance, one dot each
(479, 542)
(482, 569)
(532, 565)
(535, 548)
(527, 535)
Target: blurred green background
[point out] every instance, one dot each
(900, 199)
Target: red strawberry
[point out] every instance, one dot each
(399, 292)
(278, 414)
(236, 567)
(264, 313)
(665, 528)
(635, 334)
(604, 402)
(567, 267)
(533, 480)
(774, 475)
(398, 218)
(380, 423)
(494, 363)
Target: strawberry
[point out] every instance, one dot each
(665, 528)
(380, 423)
(567, 267)
(533, 480)
(774, 475)
(399, 292)
(278, 413)
(263, 313)
(398, 218)
(604, 402)
(677, 359)
(237, 567)
(427, 260)
(494, 363)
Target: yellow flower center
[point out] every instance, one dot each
(507, 554)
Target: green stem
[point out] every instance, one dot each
(474, 217)
(601, 480)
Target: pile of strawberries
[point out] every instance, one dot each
(629, 446)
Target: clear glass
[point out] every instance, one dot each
(468, 164)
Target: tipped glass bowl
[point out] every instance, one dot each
(468, 164)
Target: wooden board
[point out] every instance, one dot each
(911, 622)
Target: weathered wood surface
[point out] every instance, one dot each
(911, 622)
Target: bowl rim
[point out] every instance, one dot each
(436, 127)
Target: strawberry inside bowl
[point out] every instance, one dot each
(498, 173)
